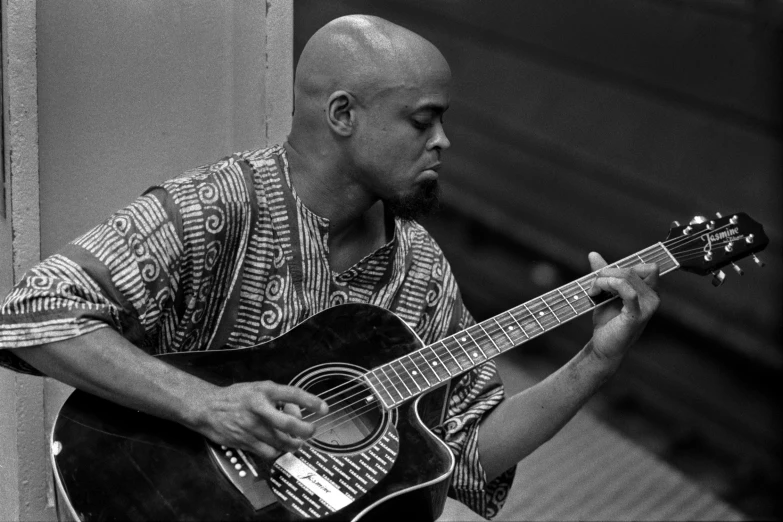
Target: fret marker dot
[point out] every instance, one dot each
(541, 314)
(576, 298)
(510, 328)
(475, 354)
(434, 363)
(464, 339)
(414, 372)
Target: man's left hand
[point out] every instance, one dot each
(617, 325)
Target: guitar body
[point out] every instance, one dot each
(115, 463)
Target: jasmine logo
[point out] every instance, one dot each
(723, 234)
(312, 477)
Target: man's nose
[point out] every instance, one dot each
(440, 140)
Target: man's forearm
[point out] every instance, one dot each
(521, 423)
(244, 415)
(107, 365)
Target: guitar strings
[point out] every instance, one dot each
(487, 332)
(383, 376)
(525, 318)
(491, 329)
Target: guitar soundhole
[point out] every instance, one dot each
(356, 418)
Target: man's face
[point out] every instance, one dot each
(398, 144)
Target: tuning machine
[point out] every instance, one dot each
(718, 277)
(757, 261)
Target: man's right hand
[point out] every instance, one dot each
(246, 416)
(261, 417)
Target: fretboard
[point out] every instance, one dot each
(419, 372)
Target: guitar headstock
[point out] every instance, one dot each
(706, 245)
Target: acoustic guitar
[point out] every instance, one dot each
(373, 456)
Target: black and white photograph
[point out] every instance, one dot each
(444, 260)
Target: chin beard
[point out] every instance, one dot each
(421, 203)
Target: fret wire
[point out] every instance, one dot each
(641, 258)
(392, 382)
(402, 379)
(562, 303)
(383, 388)
(416, 371)
(504, 332)
(477, 345)
(429, 384)
(442, 364)
(585, 292)
(448, 351)
(577, 298)
(490, 338)
(556, 303)
(461, 347)
(534, 317)
(567, 301)
(522, 328)
(543, 300)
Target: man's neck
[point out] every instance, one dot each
(357, 224)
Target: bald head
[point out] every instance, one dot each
(368, 120)
(365, 56)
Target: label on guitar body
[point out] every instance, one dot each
(316, 484)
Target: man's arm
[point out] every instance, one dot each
(244, 415)
(521, 423)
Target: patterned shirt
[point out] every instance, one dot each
(227, 255)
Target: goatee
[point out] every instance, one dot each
(421, 203)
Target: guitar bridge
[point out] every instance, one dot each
(243, 472)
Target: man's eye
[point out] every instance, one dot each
(421, 124)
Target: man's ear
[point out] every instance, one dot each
(340, 112)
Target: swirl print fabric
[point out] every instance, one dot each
(227, 255)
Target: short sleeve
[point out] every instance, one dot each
(121, 274)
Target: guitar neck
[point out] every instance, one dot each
(427, 368)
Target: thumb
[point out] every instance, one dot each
(596, 261)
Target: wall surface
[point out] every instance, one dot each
(24, 483)
(133, 93)
(128, 95)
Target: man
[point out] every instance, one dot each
(239, 252)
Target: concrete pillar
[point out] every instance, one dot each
(27, 404)
(25, 492)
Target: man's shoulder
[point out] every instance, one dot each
(227, 179)
(419, 241)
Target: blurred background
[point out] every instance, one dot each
(579, 126)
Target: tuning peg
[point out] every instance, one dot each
(719, 215)
(718, 278)
(758, 261)
(675, 224)
(734, 220)
(698, 220)
(737, 269)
